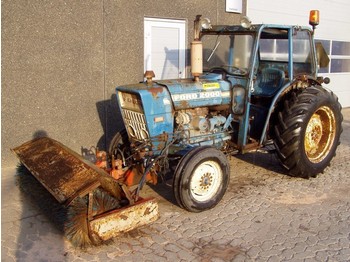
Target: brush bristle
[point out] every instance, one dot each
(72, 221)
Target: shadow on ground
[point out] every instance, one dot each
(41, 216)
(164, 188)
(264, 160)
(344, 137)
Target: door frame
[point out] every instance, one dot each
(181, 24)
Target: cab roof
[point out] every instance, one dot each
(267, 30)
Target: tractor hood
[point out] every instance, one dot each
(182, 93)
(209, 90)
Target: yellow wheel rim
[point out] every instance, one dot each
(320, 134)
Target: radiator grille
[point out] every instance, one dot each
(135, 123)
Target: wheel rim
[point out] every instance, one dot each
(206, 181)
(320, 134)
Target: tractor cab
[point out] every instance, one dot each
(259, 62)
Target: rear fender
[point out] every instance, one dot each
(302, 81)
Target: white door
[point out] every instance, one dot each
(165, 43)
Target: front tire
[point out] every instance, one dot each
(307, 131)
(201, 179)
(120, 146)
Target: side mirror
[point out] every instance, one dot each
(321, 54)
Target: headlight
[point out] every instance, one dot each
(245, 22)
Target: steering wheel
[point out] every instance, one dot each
(219, 70)
(224, 72)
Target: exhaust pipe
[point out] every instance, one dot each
(196, 59)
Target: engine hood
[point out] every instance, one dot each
(209, 90)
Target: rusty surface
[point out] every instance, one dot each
(60, 170)
(155, 91)
(184, 104)
(122, 220)
(133, 176)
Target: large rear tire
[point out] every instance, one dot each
(201, 179)
(307, 130)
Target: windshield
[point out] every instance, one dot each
(230, 52)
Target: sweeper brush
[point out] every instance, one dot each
(94, 206)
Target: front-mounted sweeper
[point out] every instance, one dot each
(252, 86)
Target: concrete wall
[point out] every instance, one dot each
(61, 61)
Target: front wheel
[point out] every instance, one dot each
(201, 179)
(307, 131)
(120, 146)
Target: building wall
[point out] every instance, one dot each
(61, 62)
(334, 26)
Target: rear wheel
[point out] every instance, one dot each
(201, 179)
(307, 131)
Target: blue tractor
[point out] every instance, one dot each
(252, 86)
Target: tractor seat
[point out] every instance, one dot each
(269, 81)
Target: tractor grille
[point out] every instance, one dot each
(135, 123)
